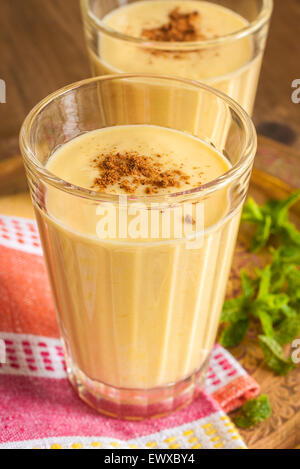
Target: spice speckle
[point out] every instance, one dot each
(182, 27)
(130, 170)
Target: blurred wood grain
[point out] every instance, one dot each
(42, 49)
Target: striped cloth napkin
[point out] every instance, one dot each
(38, 407)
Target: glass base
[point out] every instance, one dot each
(137, 404)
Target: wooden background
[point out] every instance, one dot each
(42, 49)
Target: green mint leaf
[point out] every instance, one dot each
(276, 302)
(289, 312)
(234, 333)
(288, 330)
(293, 280)
(290, 233)
(274, 356)
(271, 218)
(264, 282)
(252, 212)
(233, 310)
(293, 286)
(284, 265)
(262, 235)
(282, 208)
(266, 323)
(286, 255)
(278, 277)
(253, 412)
(247, 286)
(242, 421)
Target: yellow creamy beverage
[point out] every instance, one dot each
(138, 309)
(232, 67)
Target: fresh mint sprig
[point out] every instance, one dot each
(271, 299)
(253, 412)
(272, 219)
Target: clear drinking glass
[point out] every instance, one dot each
(231, 63)
(138, 317)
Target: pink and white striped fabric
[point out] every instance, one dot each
(38, 407)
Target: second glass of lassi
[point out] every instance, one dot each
(138, 212)
(219, 42)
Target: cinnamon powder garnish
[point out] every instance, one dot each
(130, 170)
(182, 27)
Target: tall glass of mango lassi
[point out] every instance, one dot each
(138, 210)
(219, 42)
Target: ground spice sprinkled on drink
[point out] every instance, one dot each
(182, 27)
(130, 170)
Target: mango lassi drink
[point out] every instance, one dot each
(138, 312)
(180, 38)
(138, 223)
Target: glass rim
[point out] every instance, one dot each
(47, 176)
(262, 18)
